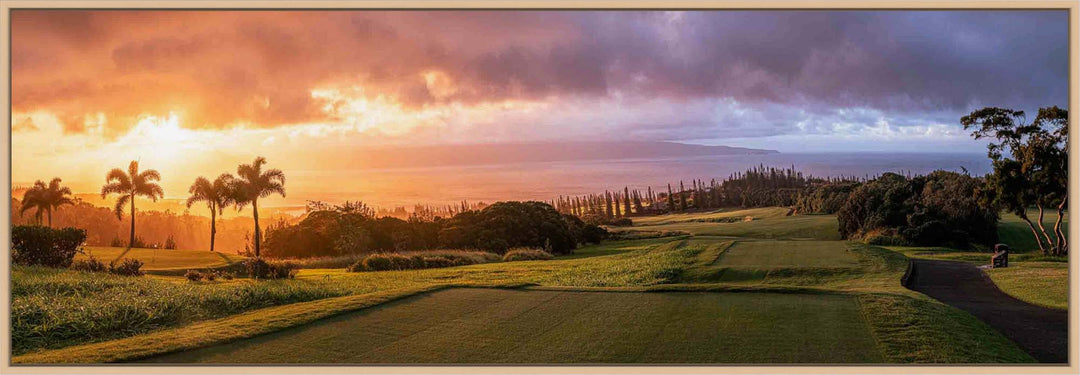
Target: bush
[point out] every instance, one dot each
(116, 242)
(127, 267)
(421, 259)
(44, 246)
(518, 254)
(193, 275)
(259, 269)
(89, 265)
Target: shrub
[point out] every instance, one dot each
(438, 262)
(88, 265)
(127, 267)
(421, 259)
(170, 243)
(116, 242)
(518, 254)
(259, 269)
(38, 245)
(193, 275)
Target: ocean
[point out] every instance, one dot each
(391, 187)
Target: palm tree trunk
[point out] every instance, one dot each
(49, 213)
(131, 241)
(213, 227)
(258, 233)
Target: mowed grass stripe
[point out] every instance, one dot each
(775, 254)
(530, 326)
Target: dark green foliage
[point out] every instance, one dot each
(44, 246)
(89, 265)
(1030, 167)
(527, 254)
(331, 232)
(420, 260)
(259, 269)
(941, 208)
(127, 267)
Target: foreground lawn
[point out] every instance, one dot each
(163, 260)
(516, 326)
(1040, 283)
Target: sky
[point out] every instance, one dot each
(198, 92)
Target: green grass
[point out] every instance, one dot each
(782, 254)
(514, 326)
(820, 227)
(65, 316)
(713, 216)
(1016, 233)
(1040, 283)
(923, 330)
(163, 260)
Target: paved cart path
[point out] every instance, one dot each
(1041, 331)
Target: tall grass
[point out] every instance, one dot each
(53, 308)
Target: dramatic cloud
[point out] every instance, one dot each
(701, 75)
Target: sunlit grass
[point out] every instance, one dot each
(1040, 283)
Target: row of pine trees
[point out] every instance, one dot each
(756, 187)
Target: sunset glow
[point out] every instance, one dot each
(195, 93)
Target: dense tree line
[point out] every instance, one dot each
(344, 230)
(756, 187)
(942, 208)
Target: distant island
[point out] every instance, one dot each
(501, 153)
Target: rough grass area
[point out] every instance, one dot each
(53, 308)
(1040, 283)
(163, 260)
(514, 326)
(1017, 234)
(922, 330)
(774, 226)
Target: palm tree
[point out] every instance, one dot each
(130, 185)
(253, 183)
(45, 198)
(217, 195)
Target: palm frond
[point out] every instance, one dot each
(151, 190)
(150, 175)
(272, 188)
(118, 175)
(119, 208)
(115, 188)
(199, 190)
